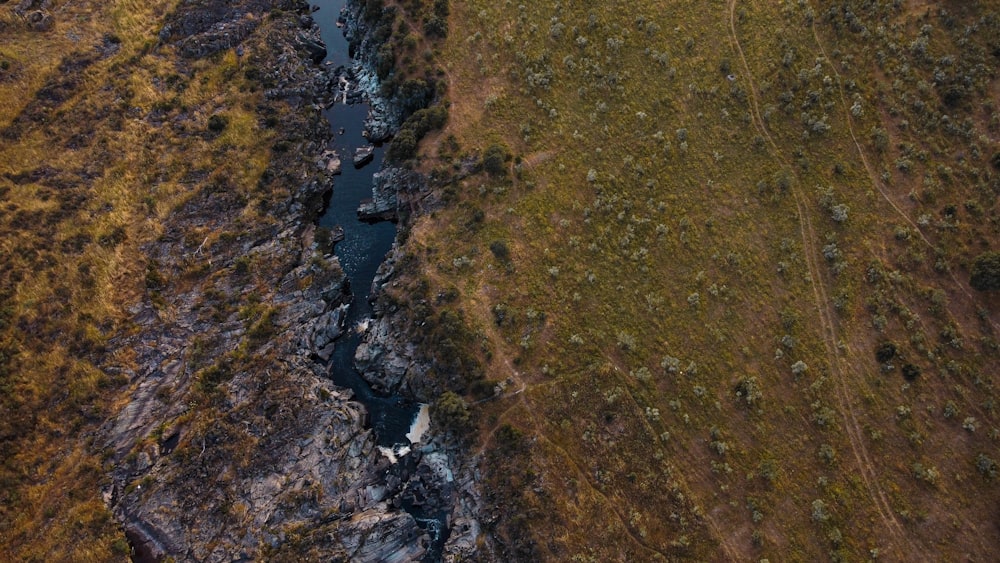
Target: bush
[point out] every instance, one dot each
(495, 159)
(217, 123)
(986, 272)
(452, 412)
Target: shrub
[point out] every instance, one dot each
(495, 159)
(986, 466)
(436, 26)
(828, 454)
(819, 512)
(416, 126)
(500, 250)
(441, 8)
(385, 61)
(885, 352)
(748, 389)
(415, 94)
(839, 213)
(217, 123)
(404, 145)
(625, 340)
(452, 412)
(209, 379)
(969, 423)
(154, 279)
(986, 272)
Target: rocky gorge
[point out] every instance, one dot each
(235, 443)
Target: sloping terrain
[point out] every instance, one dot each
(697, 280)
(708, 294)
(163, 286)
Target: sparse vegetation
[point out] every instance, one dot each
(736, 216)
(109, 135)
(697, 340)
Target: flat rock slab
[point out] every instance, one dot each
(363, 155)
(330, 161)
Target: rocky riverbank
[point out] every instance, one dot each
(388, 357)
(234, 444)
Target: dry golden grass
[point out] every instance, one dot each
(710, 246)
(108, 176)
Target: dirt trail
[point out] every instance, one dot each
(611, 504)
(522, 401)
(826, 316)
(875, 180)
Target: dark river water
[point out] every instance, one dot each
(364, 247)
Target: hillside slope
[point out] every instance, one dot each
(708, 294)
(697, 280)
(164, 292)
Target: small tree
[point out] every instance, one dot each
(986, 272)
(452, 412)
(403, 146)
(494, 160)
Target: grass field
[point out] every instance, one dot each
(707, 297)
(727, 263)
(105, 134)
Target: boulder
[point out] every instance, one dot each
(378, 359)
(25, 6)
(336, 234)
(40, 20)
(327, 329)
(363, 155)
(330, 162)
(315, 49)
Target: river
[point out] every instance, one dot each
(395, 419)
(364, 246)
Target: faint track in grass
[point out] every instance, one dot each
(522, 401)
(826, 316)
(875, 180)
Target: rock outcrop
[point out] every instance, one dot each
(391, 188)
(40, 20)
(387, 357)
(234, 443)
(363, 155)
